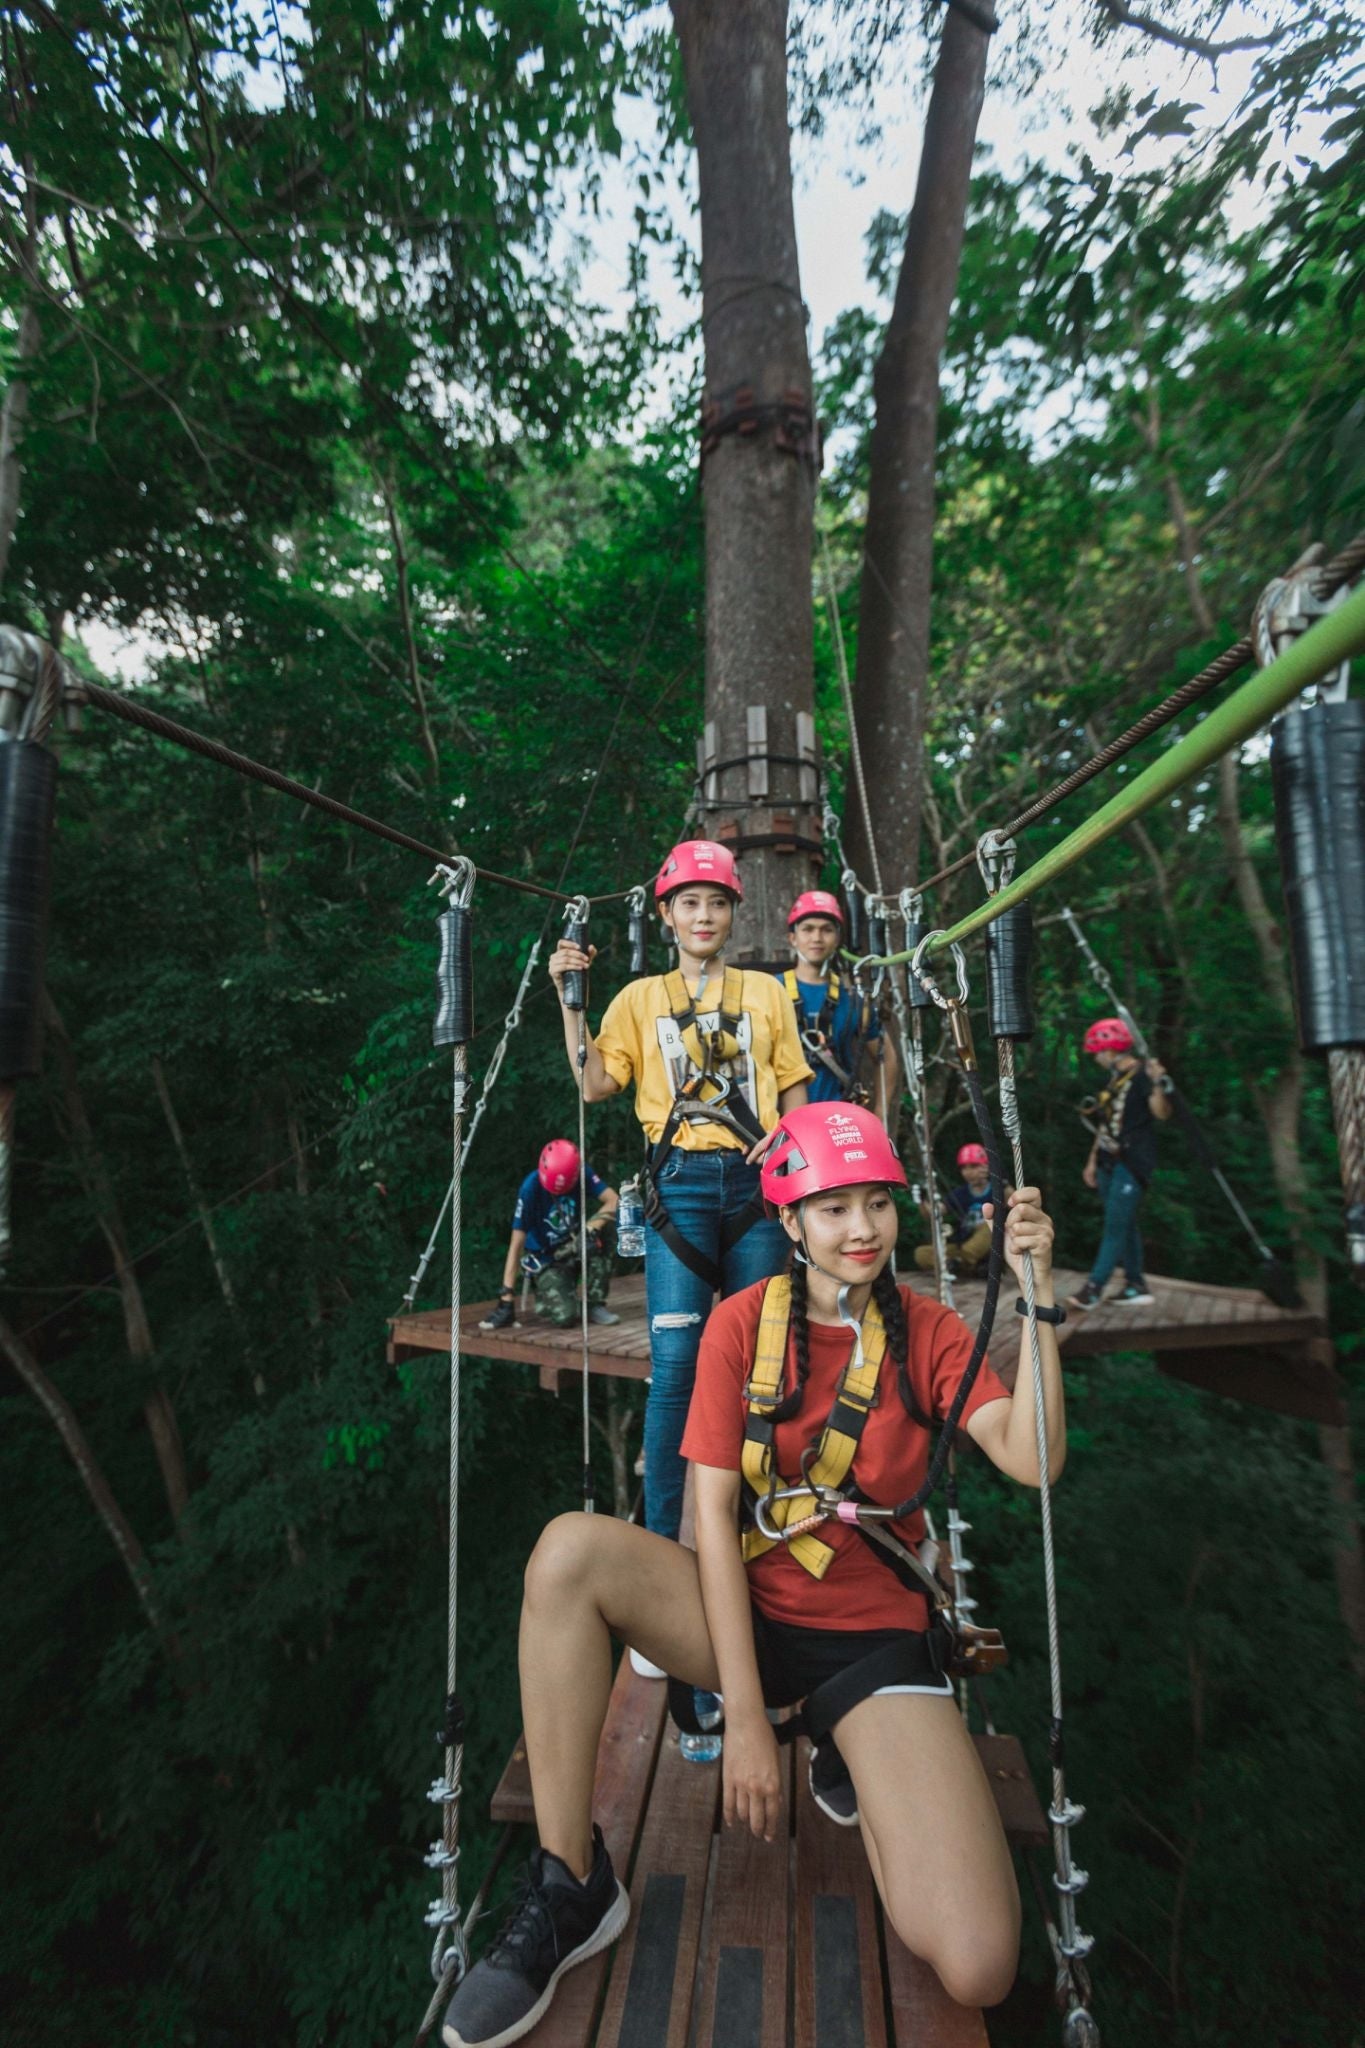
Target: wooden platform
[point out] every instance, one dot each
(737, 1943)
(1232, 1340)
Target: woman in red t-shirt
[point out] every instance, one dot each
(770, 1633)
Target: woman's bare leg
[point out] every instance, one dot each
(590, 1578)
(934, 1840)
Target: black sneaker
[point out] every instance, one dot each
(1134, 1295)
(503, 1316)
(831, 1787)
(1085, 1297)
(554, 1923)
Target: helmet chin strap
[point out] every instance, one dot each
(845, 1287)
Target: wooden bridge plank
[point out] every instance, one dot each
(838, 1978)
(654, 1967)
(625, 1768)
(922, 2014)
(742, 1994)
(1016, 1795)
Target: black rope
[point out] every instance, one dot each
(256, 771)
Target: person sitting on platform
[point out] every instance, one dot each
(767, 1623)
(1122, 1159)
(544, 1242)
(836, 1021)
(969, 1233)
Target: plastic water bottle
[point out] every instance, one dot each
(705, 1748)
(630, 1222)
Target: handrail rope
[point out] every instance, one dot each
(491, 1072)
(577, 911)
(193, 742)
(1343, 568)
(450, 1953)
(996, 858)
(1193, 1129)
(1332, 639)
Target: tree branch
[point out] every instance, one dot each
(1197, 46)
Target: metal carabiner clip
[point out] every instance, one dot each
(924, 976)
(768, 1529)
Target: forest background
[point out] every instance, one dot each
(303, 388)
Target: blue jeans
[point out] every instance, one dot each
(1121, 1192)
(698, 1189)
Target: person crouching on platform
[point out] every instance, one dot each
(969, 1233)
(545, 1242)
(767, 1624)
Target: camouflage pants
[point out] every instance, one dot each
(556, 1287)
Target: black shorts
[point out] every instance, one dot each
(792, 1660)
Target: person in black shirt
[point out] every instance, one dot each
(1122, 1159)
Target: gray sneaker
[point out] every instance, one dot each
(554, 1922)
(601, 1314)
(831, 1787)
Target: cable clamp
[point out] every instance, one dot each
(1286, 608)
(1077, 1947)
(455, 879)
(996, 854)
(438, 1857)
(442, 1793)
(1073, 1885)
(439, 1914)
(1068, 1815)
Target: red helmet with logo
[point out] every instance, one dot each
(1110, 1034)
(972, 1155)
(558, 1168)
(815, 903)
(824, 1145)
(699, 860)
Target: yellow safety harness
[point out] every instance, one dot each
(832, 1462)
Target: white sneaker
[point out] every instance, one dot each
(642, 1667)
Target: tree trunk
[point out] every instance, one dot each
(61, 1414)
(757, 484)
(14, 412)
(157, 1407)
(893, 613)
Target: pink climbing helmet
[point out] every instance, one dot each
(972, 1155)
(825, 1145)
(815, 903)
(558, 1168)
(699, 860)
(1109, 1034)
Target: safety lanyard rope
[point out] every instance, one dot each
(494, 1068)
(996, 860)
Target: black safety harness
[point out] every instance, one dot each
(817, 1039)
(705, 1097)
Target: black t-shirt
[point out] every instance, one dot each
(1126, 1120)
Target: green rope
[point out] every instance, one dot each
(1333, 639)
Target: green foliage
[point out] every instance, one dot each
(313, 405)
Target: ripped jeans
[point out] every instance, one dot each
(698, 1189)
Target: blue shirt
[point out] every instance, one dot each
(549, 1219)
(845, 1041)
(965, 1210)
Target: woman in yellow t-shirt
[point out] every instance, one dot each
(715, 1058)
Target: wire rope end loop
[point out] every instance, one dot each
(910, 904)
(635, 900)
(996, 854)
(577, 910)
(1080, 2028)
(455, 878)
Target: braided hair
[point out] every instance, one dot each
(887, 1296)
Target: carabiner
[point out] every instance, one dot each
(925, 977)
(775, 1535)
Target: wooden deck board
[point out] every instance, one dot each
(922, 2014)
(654, 1966)
(837, 1983)
(742, 1983)
(1272, 1351)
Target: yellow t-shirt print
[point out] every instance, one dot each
(639, 1042)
